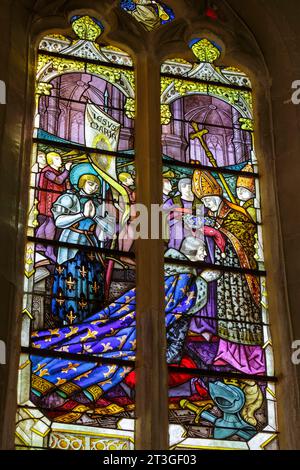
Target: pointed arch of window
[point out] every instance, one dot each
(77, 380)
(219, 349)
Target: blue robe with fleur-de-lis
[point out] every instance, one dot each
(78, 287)
(110, 334)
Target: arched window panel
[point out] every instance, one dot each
(150, 13)
(76, 378)
(219, 350)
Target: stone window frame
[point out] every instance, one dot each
(148, 51)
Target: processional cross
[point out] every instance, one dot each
(199, 134)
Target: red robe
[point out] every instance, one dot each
(51, 183)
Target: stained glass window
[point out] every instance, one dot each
(76, 382)
(219, 353)
(150, 13)
(77, 366)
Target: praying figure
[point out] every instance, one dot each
(78, 288)
(183, 204)
(167, 185)
(127, 232)
(245, 191)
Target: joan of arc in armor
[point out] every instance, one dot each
(78, 287)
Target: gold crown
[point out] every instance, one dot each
(205, 185)
(247, 182)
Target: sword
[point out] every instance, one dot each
(198, 410)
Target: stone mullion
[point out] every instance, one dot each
(151, 388)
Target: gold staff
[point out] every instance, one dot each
(198, 134)
(74, 157)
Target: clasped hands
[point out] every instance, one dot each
(89, 210)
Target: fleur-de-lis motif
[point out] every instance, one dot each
(83, 271)
(106, 347)
(69, 367)
(60, 298)
(44, 372)
(60, 381)
(60, 269)
(90, 335)
(71, 316)
(91, 256)
(73, 331)
(83, 376)
(70, 282)
(82, 302)
(96, 287)
(190, 297)
(110, 370)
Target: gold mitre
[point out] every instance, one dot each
(247, 182)
(204, 184)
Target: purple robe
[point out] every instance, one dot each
(205, 321)
(178, 229)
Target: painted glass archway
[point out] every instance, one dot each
(78, 331)
(220, 360)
